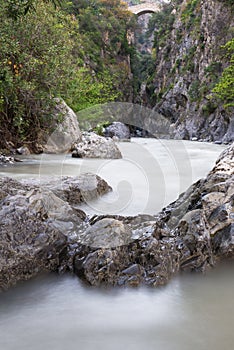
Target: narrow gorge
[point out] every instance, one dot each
(116, 174)
(186, 64)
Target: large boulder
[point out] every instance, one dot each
(37, 221)
(95, 146)
(33, 235)
(119, 130)
(125, 251)
(65, 132)
(73, 189)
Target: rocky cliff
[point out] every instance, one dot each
(189, 62)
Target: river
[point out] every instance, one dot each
(192, 312)
(151, 174)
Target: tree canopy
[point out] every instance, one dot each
(77, 51)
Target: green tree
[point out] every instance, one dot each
(35, 66)
(79, 53)
(103, 25)
(19, 8)
(87, 90)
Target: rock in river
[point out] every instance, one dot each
(95, 146)
(4, 160)
(73, 189)
(119, 130)
(36, 223)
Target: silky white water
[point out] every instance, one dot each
(151, 174)
(193, 312)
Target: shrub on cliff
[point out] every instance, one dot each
(225, 87)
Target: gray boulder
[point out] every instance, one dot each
(65, 133)
(119, 130)
(72, 189)
(23, 150)
(34, 229)
(37, 222)
(95, 146)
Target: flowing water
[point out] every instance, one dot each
(151, 174)
(192, 312)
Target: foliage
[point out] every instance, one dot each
(86, 90)
(209, 108)
(48, 52)
(224, 89)
(19, 8)
(104, 23)
(161, 24)
(103, 26)
(194, 90)
(189, 12)
(35, 61)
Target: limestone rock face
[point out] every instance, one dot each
(66, 133)
(95, 146)
(192, 53)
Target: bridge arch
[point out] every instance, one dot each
(144, 7)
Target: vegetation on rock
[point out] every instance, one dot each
(192, 83)
(224, 89)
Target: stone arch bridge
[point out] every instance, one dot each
(145, 7)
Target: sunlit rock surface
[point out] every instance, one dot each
(95, 146)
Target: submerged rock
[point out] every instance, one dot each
(95, 146)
